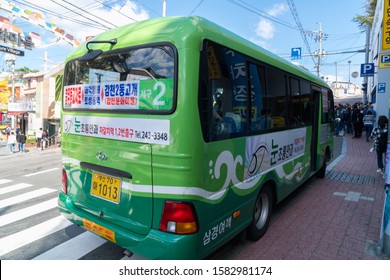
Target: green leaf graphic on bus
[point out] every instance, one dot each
(156, 94)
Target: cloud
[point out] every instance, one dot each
(265, 28)
(278, 9)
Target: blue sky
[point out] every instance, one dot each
(268, 23)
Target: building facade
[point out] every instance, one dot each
(38, 104)
(378, 86)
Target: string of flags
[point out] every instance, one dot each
(35, 18)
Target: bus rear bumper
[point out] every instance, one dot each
(154, 245)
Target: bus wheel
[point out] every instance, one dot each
(322, 171)
(261, 214)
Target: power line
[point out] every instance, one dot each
(147, 7)
(298, 22)
(258, 12)
(200, 3)
(57, 15)
(88, 13)
(118, 11)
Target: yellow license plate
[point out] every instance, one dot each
(99, 230)
(106, 187)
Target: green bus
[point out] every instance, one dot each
(178, 135)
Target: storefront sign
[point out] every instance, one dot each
(386, 26)
(384, 60)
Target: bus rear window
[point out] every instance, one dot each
(140, 80)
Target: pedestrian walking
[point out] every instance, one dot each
(347, 119)
(11, 141)
(44, 139)
(357, 120)
(8, 131)
(21, 138)
(369, 121)
(38, 135)
(379, 134)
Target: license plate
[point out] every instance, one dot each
(99, 230)
(106, 187)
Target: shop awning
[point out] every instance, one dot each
(16, 113)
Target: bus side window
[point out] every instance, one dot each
(276, 96)
(306, 102)
(261, 114)
(225, 121)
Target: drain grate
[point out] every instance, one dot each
(351, 178)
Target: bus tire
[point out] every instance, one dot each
(261, 214)
(322, 171)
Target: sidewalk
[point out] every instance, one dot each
(338, 217)
(30, 148)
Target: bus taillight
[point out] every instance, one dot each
(179, 217)
(64, 182)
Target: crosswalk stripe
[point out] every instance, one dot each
(24, 237)
(74, 248)
(40, 172)
(4, 181)
(26, 196)
(27, 212)
(14, 188)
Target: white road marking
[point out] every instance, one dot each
(29, 235)
(27, 212)
(23, 197)
(14, 188)
(74, 248)
(4, 181)
(40, 172)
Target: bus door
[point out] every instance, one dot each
(315, 129)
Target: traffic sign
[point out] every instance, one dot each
(367, 69)
(381, 87)
(296, 53)
(11, 50)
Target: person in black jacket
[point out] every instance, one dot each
(21, 138)
(379, 134)
(357, 121)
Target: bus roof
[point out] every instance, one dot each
(188, 32)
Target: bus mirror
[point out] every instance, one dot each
(91, 55)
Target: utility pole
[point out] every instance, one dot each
(319, 36)
(13, 81)
(13, 58)
(336, 75)
(46, 60)
(164, 13)
(349, 73)
(365, 79)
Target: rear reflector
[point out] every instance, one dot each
(64, 182)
